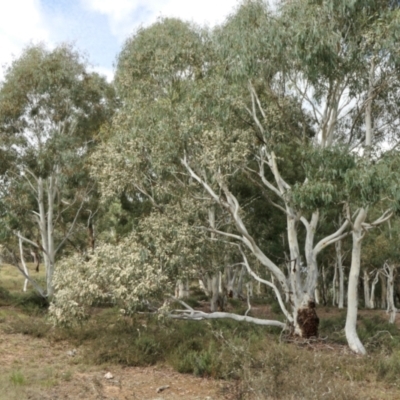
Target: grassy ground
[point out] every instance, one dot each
(197, 360)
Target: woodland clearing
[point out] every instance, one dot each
(43, 362)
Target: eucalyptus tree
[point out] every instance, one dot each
(274, 97)
(327, 69)
(334, 79)
(160, 71)
(51, 109)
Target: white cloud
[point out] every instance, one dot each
(108, 73)
(117, 10)
(20, 24)
(126, 15)
(210, 12)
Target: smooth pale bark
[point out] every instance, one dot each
(217, 302)
(299, 290)
(205, 284)
(335, 291)
(211, 287)
(294, 262)
(324, 286)
(352, 292)
(50, 251)
(366, 289)
(36, 261)
(45, 194)
(389, 272)
(271, 284)
(182, 289)
(383, 291)
(317, 296)
(233, 280)
(21, 251)
(231, 204)
(217, 298)
(191, 314)
(375, 281)
(249, 295)
(359, 229)
(199, 315)
(239, 290)
(230, 278)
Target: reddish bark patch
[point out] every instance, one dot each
(308, 321)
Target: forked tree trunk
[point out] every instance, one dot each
(389, 272)
(46, 191)
(296, 288)
(306, 321)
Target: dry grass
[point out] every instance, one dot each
(12, 280)
(41, 369)
(233, 361)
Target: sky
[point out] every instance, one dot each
(98, 28)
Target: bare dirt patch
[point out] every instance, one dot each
(33, 368)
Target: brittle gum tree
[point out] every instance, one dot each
(51, 107)
(343, 73)
(326, 78)
(258, 98)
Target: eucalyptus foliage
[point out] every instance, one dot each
(245, 136)
(51, 109)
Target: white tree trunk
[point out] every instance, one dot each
(324, 286)
(366, 289)
(21, 251)
(335, 286)
(182, 289)
(372, 301)
(389, 272)
(249, 289)
(217, 298)
(352, 293)
(46, 219)
(299, 291)
(205, 284)
(317, 296)
(239, 290)
(383, 291)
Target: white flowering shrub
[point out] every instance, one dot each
(123, 275)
